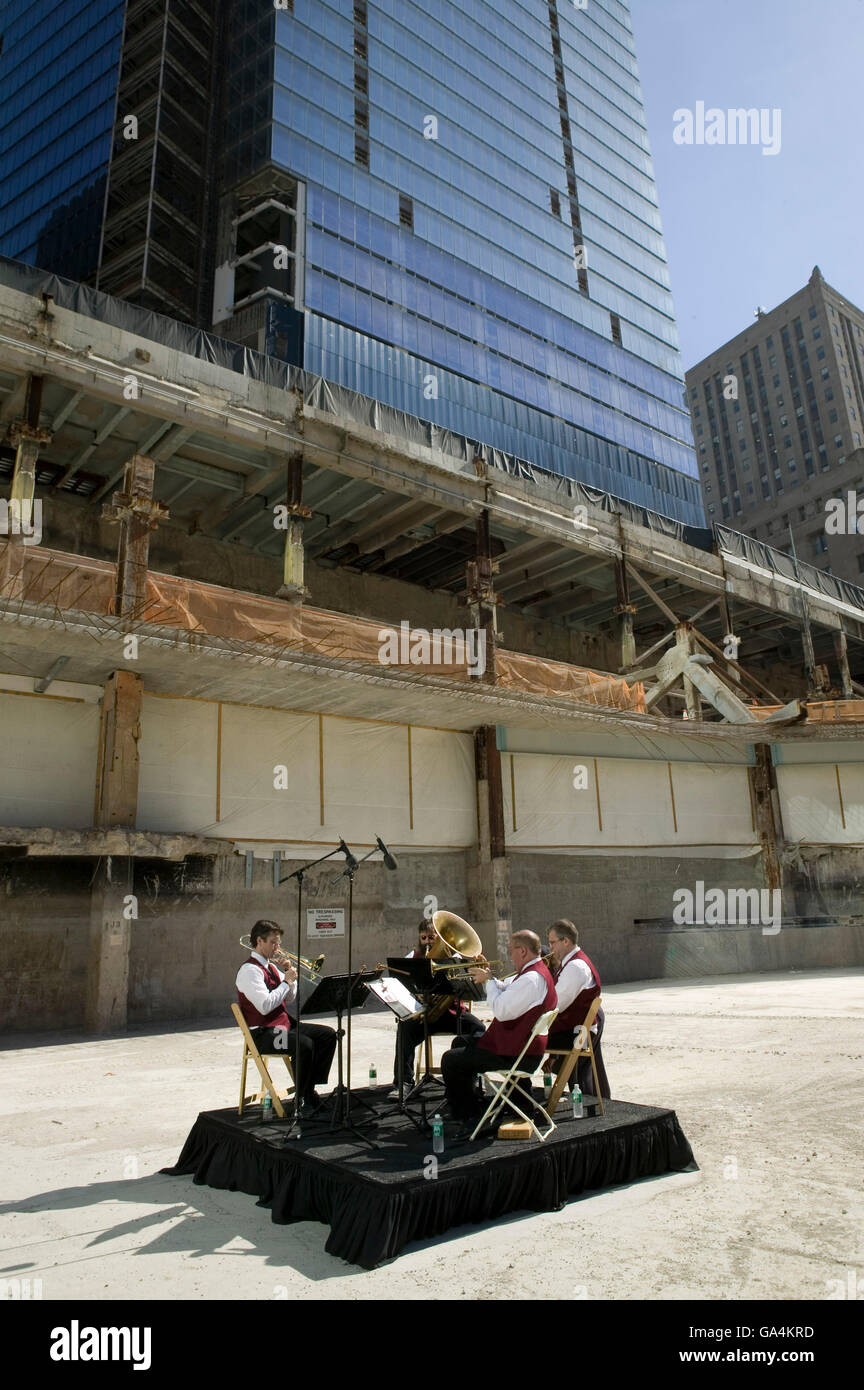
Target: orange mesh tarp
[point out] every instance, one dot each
(84, 584)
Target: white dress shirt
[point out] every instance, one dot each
(253, 985)
(513, 997)
(575, 976)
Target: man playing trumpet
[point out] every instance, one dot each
(262, 993)
(517, 1003)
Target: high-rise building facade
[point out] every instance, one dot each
(58, 94)
(449, 207)
(778, 422)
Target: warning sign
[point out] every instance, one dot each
(324, 921)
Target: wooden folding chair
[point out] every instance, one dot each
(582, 1047)
(504, 1083)
(250, 1050)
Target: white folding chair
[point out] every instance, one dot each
(505, 1082)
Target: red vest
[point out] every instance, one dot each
(278, 1017)
(575, 1013)
(509, 1038)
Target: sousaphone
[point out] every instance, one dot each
(455, 937)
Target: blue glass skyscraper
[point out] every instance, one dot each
(465, 200)
(58, 91)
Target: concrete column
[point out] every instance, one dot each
(684, 638)
(137, 515)
(481, 600)
(20, 517)
(769, 825)
(489, 879)
(119, 732)
(624, 612)
(116, 804)
(108, 946)
(842, 656)
(293, 585)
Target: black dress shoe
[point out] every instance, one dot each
(311, 1105)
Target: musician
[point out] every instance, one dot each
(577, 981)
(455, 1018)
(517, 1003)
(262, 993)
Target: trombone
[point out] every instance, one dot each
(453, 969)
(308, 970)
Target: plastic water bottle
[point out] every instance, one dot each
(266, 1109)
(576, 1102)
(373, 1075)
(547, 1086)
(437, 1135)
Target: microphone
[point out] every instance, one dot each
(349, 857)
(389, 861)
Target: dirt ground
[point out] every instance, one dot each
(764, 1072)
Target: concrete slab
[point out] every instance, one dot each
(764, 1072)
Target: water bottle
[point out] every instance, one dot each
(437, 1135)
(547, 1086)
(576, 1102)
(266, 1109)
(373, 1075)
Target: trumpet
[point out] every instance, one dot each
(453, 969)
(308, 970)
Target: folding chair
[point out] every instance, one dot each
(504, 1082)
(582, 1047)
(250, 1050)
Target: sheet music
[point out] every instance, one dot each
(397, 998)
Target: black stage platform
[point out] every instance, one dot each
(376, 1201)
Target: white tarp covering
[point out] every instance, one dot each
(814, 807)
(47, 761)
(578, 803)
(262, 777)
(177, 761)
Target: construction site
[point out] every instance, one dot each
(246, 613)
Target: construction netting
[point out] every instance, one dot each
(253, 621)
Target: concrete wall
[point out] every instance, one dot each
(44, 925)
(185, 951)
(606, 896)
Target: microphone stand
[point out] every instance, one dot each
(342, 1112)
(293, 1132)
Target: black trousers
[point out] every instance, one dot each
(412, 1033)
(317, 1046)
(584, 1074)
(464, 1063)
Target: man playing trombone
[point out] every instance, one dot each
(262, 993)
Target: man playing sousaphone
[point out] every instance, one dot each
(453, 1018)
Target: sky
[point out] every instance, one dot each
(744, 229)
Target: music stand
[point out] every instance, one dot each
(340, 994)
(405, 1007)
